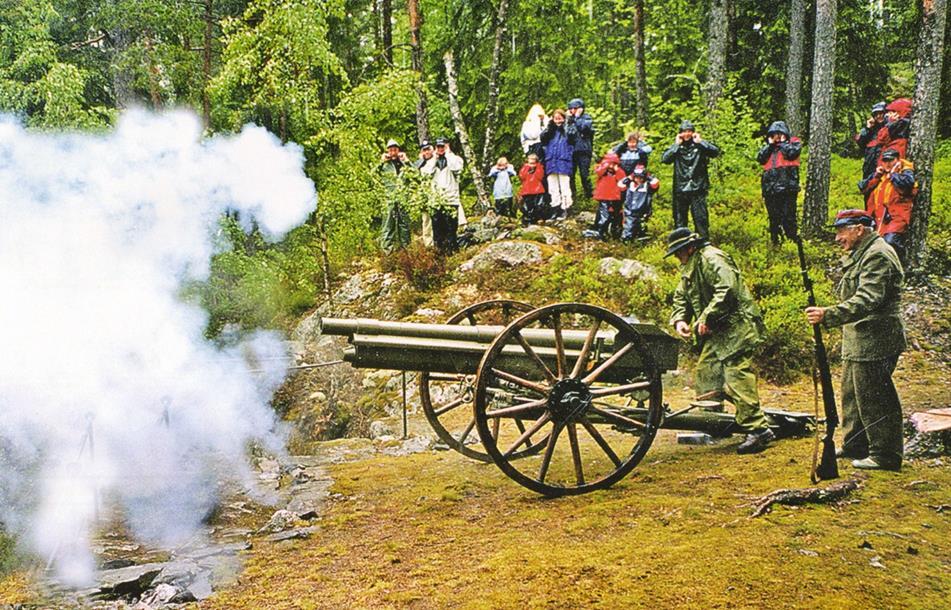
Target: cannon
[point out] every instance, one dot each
(564, 399)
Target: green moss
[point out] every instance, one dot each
(674, 536)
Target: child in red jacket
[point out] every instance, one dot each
(532, 192)
(608, 195)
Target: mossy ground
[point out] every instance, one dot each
(437, 530)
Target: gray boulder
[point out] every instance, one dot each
(504, 254)
(628, 269)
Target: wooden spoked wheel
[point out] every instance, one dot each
(447, 398)
(586, 383)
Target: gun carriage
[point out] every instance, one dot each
(565, 399)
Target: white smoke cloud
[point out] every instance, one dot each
(107, 385)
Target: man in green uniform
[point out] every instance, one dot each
(712, 304)
(395, 230)
(873, 337)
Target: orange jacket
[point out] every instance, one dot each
(890, 196)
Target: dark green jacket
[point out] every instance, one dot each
(690, 165)
(712, 292)
(870, 295)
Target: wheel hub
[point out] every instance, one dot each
(568, 400)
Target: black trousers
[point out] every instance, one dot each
(781, 208)
(582, 166)
(696, 203)
(445, 226)
(534, 209)
(503, 207)
(608, 218)
(896, 241)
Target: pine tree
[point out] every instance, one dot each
(794, 61)
(924, 121)
(815, 207)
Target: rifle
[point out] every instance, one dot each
(827, 468)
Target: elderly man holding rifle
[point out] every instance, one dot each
(873, 337)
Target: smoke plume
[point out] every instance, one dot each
(108, 388)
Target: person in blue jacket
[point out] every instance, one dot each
(502, 173)
(584, 145)
(633, 152)
(559, 139)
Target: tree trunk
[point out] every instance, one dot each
(416, 44)
(460, 123)
(377, 23)
(924, 122)
(717, 37)
(492, 105)
(640, 72)
(206, 64)
(797, 37)
(815, 207)
(155, 89)
(121, 77)
(324, 255)
(386, 30)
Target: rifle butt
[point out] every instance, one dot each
(828, 468)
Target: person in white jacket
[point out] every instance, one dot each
(445, 167)
(532, 128)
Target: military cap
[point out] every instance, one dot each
(441, 141)
(426, 144)
(879, 107)
(846, 218)
(681, 237)
(890, 154)
(686, 126)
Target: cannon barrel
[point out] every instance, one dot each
(480, 334)
(456, 348)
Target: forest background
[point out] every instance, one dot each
(340, 77)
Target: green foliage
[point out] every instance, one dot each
(348, 152)
(278, 68)
(258, 285)
(34, 82)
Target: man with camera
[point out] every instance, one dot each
(889, 196)
(584, 145)
(395, 231)
(868, 140)
(445, 167)
(780, 181)
(690, 155)
(873, 337)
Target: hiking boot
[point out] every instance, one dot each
(870, 463)
(755, 442)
